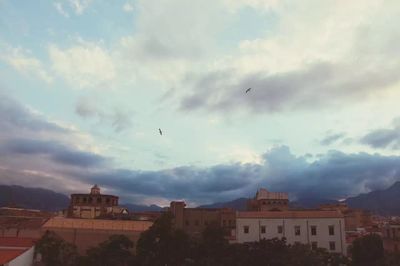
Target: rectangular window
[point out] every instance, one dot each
(246, 229)
(332, 245)
(280, 229)
(314, 245)
(223, 222)
(297, 230)
(331, 230)
(263, 229)
(187, 222)
(313, 230)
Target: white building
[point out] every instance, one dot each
(322, 229)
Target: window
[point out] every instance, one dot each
(313, 230)
(90, 199)
(223, 222)
(314, 245)
(205, 223)
(187, 223)
(263, 229)
(84, 200)
(108, 200)
(196, 222)
(98, 200)
(246, 229)
(280, 229)
(332, 245)
(331, 230)
(297, 230)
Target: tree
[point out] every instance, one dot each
(55, 251)
(163, 245)
(367, 251)
(116, 251)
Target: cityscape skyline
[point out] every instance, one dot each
(87, 86)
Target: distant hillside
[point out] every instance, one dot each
(384, 202)
(32, 198)
(237, 204)
(141, 208)
(310, 203)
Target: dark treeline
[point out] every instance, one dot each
(162, 245)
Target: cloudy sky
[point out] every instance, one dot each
(85, 85)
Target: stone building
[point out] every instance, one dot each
(319, 229)
(194, 220)
(87, 233)
(94, 205)
(268, 201)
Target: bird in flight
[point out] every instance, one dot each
(159, 130)
(248, 90)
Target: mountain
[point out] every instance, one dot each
(310, 203)
(239, 204)
(32, 198)
(384, 202)
(141, 208)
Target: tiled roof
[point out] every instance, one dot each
(290, 214)
(21, 222)
(7, 255)
(16, 242)
(98, 224)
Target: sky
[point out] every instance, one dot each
(85, 86)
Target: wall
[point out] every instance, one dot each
(25, 259)
(323, 238)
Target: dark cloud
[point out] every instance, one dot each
(54, 150)
(330, 139)
(384, 137)
(333, 175)
(119, 120)
(315, 86)
(17, 118)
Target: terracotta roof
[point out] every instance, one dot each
(21, 222)
(7, 255)
(290, 214)
(120, 225)
(16, 242)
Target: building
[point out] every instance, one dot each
(319, 229)
(87, 233)
(94, 205)
(16, 251)
(18, 222)
(391, 236)
(194, 220)
(268, 201)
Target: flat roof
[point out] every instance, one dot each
(7, 255)
(97, 224)
(290, 214)
(16, 242)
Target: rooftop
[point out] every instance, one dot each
(290, 214)
(16, 242)
(97, 224)
(7, 255)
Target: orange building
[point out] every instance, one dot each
(194, 220)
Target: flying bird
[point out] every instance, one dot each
(159, 130)
(248, 90)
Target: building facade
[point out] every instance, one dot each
(391, 236)
(319, 229)
(268, 201)
(194, 220)
(93, 205)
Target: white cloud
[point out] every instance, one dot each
(79, 6)
(127, 7)
(84, 65)
(59, 7)
(25, 63)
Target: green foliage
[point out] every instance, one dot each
(163, 245)
(367, 251)
(55, 251)
(116, 251)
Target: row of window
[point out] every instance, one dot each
(91, 200)
(198, 223)
(297, 229)
(274, 202)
